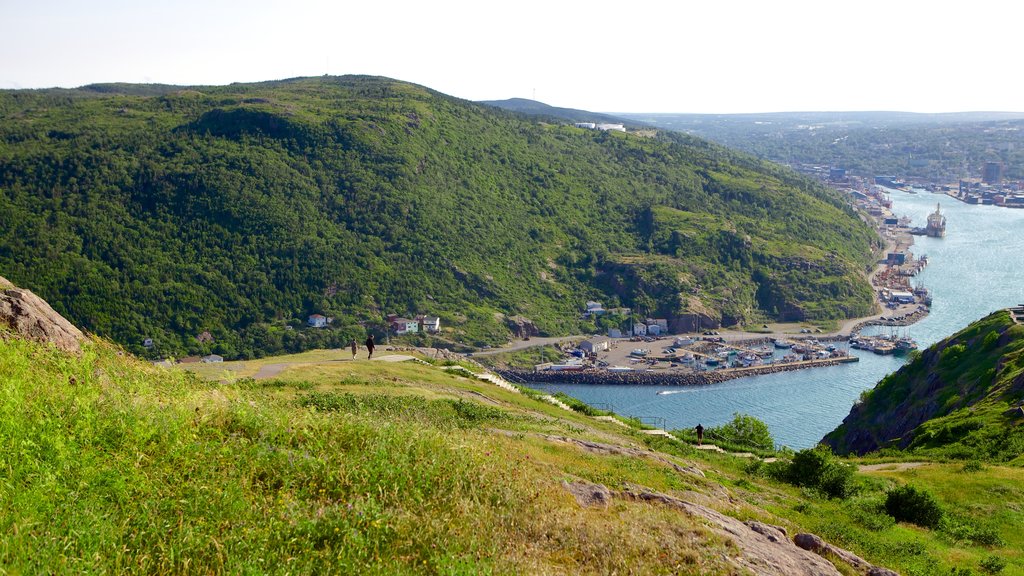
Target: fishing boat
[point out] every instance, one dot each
(904, 345)
(783, 344)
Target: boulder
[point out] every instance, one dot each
(30, 317)
(522, 327)
(589, 495)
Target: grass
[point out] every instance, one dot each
(117, 466)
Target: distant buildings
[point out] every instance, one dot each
(992, 173)
(401, 326)
(594, 345)
(594, 126)
(430, 324)
(317, 321)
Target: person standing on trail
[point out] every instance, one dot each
(369, 346)
(700, 435)
(354, 347)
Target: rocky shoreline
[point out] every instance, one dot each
(644, 378)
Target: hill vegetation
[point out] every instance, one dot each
(340, 466)
(164, 213)
(961, 398)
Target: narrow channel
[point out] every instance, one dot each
(971, 272)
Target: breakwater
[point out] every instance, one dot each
(659, 378)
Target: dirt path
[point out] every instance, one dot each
(890, 466)
(523, 344)
(271, 370)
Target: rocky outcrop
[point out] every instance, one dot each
(29, 316)
(814, 543)
(522, 327)
(762, 549)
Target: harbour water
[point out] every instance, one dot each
(976, 269)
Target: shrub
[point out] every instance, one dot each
(992, 564)
(972, 466)
(744, 430)
(949, 357)
(818, 468)
(967, 530)
(914, 505)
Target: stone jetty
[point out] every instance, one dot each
(659, 378)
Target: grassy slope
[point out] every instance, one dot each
(155, 212)
(337, 466)
(952, 401)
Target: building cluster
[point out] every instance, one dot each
(596, 126)
(421, 324)
(649, 327)
(990, 189)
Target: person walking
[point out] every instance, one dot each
(369, 346)
(700, 435)
(354, 347)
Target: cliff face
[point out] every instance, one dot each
(963, 394)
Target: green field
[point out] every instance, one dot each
(340, 466)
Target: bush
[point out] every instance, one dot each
(818, 468)
(992, 564)
(964, 529)
(972, 466)
(746, 431)
(914, 505)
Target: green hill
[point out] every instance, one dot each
(163, 213)
(960, 398)
(334, 466)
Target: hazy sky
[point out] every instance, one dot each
(624, 56)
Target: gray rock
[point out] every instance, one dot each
(589, 495)
(809, 542)
(29, 316)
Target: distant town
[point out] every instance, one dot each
(990, 189)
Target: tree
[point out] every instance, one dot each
(745, 430)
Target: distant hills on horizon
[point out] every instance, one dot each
(686, 120)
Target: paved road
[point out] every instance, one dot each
(522, 344)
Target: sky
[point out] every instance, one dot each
(696, 56)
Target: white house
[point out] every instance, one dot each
(431, 324)
(212, 358)
(594, 345)
(639, 330)
(317, 321)
(654, 329)
(595, 308)
(616, 127)
(404, 326)
(587, 125)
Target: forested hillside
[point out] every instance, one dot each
(165, 212)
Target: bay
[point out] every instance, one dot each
(976, 269)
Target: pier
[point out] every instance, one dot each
(663, 377)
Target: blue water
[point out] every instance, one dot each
(976, 269)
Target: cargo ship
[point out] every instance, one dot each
(936, 224)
